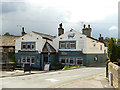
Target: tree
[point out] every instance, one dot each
(112, 50)
(7, 34)
(118, 52)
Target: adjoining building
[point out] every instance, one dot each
(75, 48)
(7, 49)
(72, 47)
(36, 49)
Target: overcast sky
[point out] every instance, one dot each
(45, 15)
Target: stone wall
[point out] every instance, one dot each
(115, 70)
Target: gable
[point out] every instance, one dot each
(30, 37)
(71, 35)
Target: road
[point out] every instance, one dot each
(51, 79)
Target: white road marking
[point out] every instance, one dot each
(52, 80)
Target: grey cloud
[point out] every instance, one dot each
(8, 7)
(38, 19)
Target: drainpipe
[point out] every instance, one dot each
(42, 64)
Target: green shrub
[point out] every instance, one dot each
(56, 66)
(66, 67)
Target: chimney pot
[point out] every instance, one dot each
(84, 25)
(88, 26)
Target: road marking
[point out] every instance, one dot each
(52, 80)
(87, 78)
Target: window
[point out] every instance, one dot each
(63, 60)
(72, 44)
(23, 45)
(71, 60)
(67, 60)
(67, 44)
(79, 61)
(100, 47)
(28, 45)
(23, 59)
(28, 59)
(62, 44)
(32, 60)
(11, 49)
(32, 45)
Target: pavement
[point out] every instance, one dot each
(18, 73)
(95, 81)
(88, 77)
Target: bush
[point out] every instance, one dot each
(112, 50)
(66, 67)
(72, 67)
(56, 66)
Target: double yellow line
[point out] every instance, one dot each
(87, 78)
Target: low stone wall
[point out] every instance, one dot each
(115, 72)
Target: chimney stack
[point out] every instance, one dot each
(87, 31)
(100, 38)
(60, 30)
(23, 32)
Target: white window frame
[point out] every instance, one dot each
(26, 57)
(72, 42)
(28, 43)
(23, 43)
(73, 61)
(22, 59)
(67, 45)
(32, 44)
(62, 42)
(79, 59)
(66, 60)
(61, 60)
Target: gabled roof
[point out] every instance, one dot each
(48, 48)
(8, 40)
(45, 36)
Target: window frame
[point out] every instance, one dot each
(61, 60)
(23, 43)
(72, 42)
(22, 59)
(80, 58)
(26, 45)
(62, 42)
(73, 61)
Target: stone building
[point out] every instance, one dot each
(7, 47)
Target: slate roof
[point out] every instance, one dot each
(45, 36)
(8, 40)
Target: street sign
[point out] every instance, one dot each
(46, 67)
(27, 67)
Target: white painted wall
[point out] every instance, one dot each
(80, 42)
(90, 48)
(85, 44)
(31, 37)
